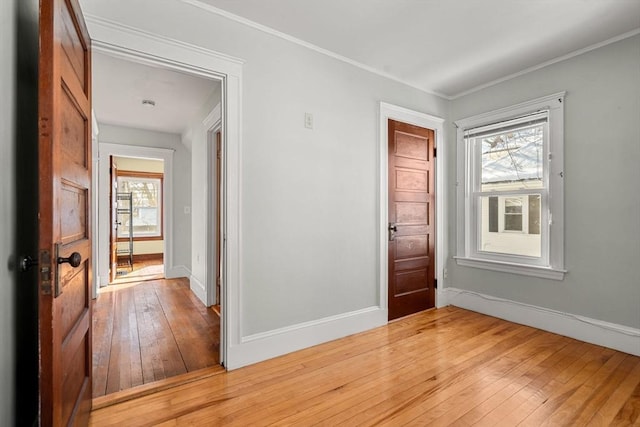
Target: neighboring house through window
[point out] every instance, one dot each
(510, 189)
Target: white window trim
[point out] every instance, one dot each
(555, 269)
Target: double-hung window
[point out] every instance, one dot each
(146, 192)
(510, 189)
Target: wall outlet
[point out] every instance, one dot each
(308, 120)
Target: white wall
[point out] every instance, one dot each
(196, 138)
(309, 205)
(602, 201)
(181, 185)
(7, 217)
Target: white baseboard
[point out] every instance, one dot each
(266, 345)
(198, 288)
(618, 337)
(102, 281)
(177, 271)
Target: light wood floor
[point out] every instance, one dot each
(149, 331)
(443, 367)
(145, 269)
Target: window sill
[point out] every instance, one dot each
(508, 267)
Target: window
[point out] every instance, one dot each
(510, 189)
(146, 192)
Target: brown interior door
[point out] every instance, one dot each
(113, 203)
(64, 241)
(411, 219)
(218, 188)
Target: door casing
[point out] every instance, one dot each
(151, 49)
(405, 115)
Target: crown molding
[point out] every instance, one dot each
(547, 63)
(271, 31)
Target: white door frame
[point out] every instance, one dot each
(401, 114)
(152, 49)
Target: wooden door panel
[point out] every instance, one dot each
(73, 213)
(411, 146)
(74, 297)
(411, 180)
(64, 211)
(411, 281)
(74, 129)
(74, 383)
(411, 212)
(412, 247)
(73, 46)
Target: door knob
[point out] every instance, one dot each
(393, 228)
(75, 259)
(26, 262)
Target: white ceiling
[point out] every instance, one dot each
(447, 47)
(119, 86)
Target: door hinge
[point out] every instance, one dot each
(435, 283)
(434, 151)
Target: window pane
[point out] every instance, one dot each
(513, 214)
(513, 222)
(508, 240)
(512, 159)
(493, 214)
(146, 200)
(534, 214)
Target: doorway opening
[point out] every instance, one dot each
(137, 239)
(153, 320)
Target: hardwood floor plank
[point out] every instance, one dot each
(573, 407)
(124, 363)
(197, 348)
(629, 414)
(557, 391)
(484, 398)
(445, 367)
(158, 345)
(149, 331)
(539, 376)
(375, 387)
(479, 373)
(102, 332)
(617, 398)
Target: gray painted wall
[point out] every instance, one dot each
(602, 201)
(309, 197)
(181, 184)
(7, 206)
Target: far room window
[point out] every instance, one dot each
(510, 188)
(146, 192)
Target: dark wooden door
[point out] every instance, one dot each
(218, 187)
(64, 241)
(113, 204)
(411, 219)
